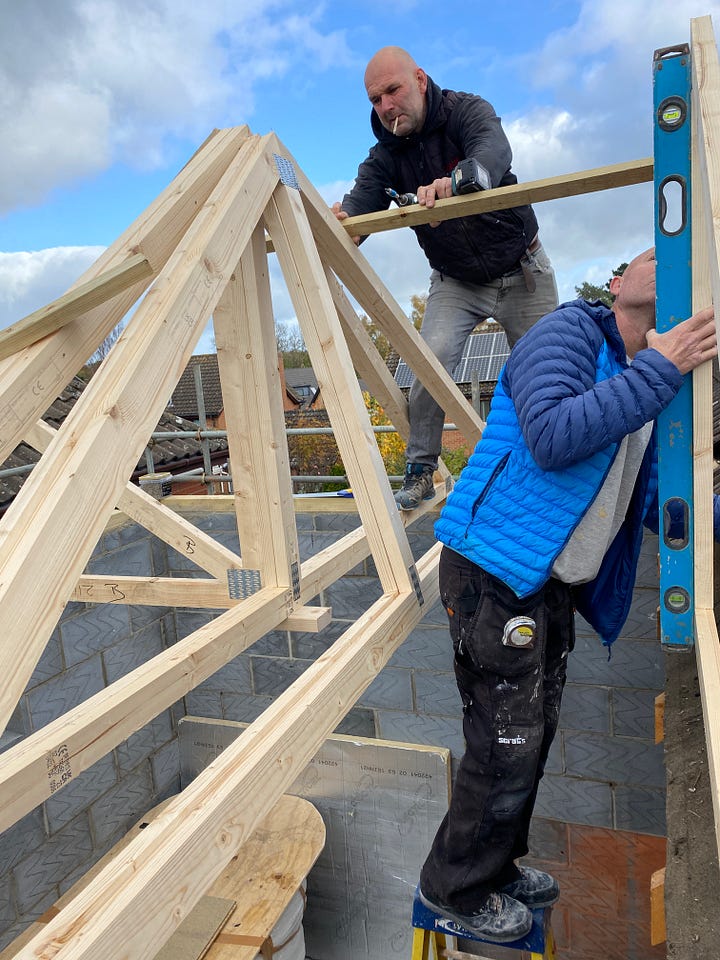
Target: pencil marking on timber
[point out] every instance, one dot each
(59, 771)
(190, 545)
(117, 593)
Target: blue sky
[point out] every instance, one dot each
(103, 101)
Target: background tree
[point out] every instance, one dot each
(590, 291)
(291, 345)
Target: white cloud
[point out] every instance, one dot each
(84, 83)
(29, 280)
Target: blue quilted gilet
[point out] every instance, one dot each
(508, 515)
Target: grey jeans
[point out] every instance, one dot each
(453, 310)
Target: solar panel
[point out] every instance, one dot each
(484, 352)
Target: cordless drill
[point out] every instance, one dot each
(467, 177)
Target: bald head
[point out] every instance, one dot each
(396, 87)
(634, 305)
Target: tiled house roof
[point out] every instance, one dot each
(172, 454)
(184, 398)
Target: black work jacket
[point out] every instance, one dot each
(458, 125)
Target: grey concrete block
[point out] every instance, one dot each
(21, 838)
(358, 723)
(390, 689)
(144, 742)
(159, 551)
(574, 801)
(50, 663)
(428, 647)
(271, 677)
(165, 765)
(548, 840)
(273, 644)
(120, 537)
(8, 739)
(633, 713)
(19, 721)
(350, 597)
(640, 810)
(36, 911)
(412, 728)
(309, 646)
(437, 694)
(213, 523)
(585, 707)
(555, 762)
(204, 703)
(77, 795)
(100, 626)
(313, 542)
(118, 809)
(8, 916)
(243, 707)
(641, 623)
(338, 522)
(37, 874)
(647, 569)
(634, 663)
(435, 615)
(133, 652)
(228, 539)
(55, 697)
(143, 616)
(420, 543)
(616, 759)
(188, 621)
(133, 560)
(234, 677)
(304, 521)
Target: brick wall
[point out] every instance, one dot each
(604, 770)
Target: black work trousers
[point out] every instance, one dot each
(511, 701)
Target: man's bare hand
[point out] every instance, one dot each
(343, 215)
(689, 343)
(437, 190)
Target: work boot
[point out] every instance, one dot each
(533, 888)
(500, 918)
(418, 485)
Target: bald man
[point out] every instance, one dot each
(487, 265)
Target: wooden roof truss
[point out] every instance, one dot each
(200, 250)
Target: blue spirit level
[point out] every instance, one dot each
(673, 250)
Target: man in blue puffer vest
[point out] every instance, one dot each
(546, 517)
(486, 265)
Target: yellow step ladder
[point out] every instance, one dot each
(430, 930)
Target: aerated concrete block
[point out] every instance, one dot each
(121, 806)
(133, 652)
(97, 628)
(573, 800)
(144, 742)
(585, 707)
(615, 759)
(641, 810)
(55, 697)
(165, 766)
(77, 795)
(40, 872)
(437, 694)
(391, 689)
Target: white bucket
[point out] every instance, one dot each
(287, 937)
